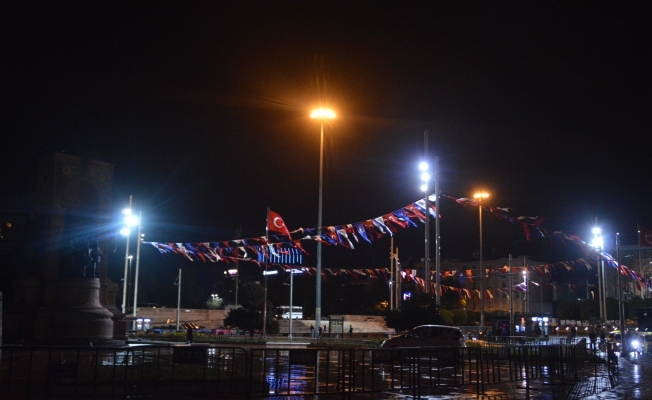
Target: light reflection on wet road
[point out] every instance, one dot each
(633, 380)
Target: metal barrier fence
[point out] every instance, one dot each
(199, 371)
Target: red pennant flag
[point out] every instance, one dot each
(644, 237)
(276, 224)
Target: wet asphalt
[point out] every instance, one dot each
(630, 379)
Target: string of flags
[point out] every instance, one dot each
(341, 235)
(258, 249)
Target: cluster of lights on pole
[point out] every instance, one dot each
(130, 221)
(425, 176)
(481, 196)
(597, 238)
(322, 113)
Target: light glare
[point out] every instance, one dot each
(425, 177)
(423, 166)
(131, 220)
(424, 187)
(124, 231)
(322, 113)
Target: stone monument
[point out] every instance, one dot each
(66, 297)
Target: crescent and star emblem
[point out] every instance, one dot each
(648, 239)
(279, 224)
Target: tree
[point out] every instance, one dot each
(632, 306)
(447, 317)
(589, 308)
(459, 316)
(251, 296)
(568, 309)
(612, 309)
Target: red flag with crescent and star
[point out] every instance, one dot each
(644, 237)
(277, 225)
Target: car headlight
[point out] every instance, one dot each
(636, 343)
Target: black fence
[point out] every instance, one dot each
(200, 371)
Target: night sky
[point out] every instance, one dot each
(204, 110)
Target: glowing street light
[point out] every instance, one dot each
(480, 196)
(598, 243)
(322, 114)
(130, 221)
(425, 178)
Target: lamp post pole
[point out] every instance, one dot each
(511, 298)
(621, 304)
(598, 243)
(437, 255)
(480, 196)
(140, 217)
(178, 299)
(426, 177)
(127, 213)
(319, 225)
(321, 114)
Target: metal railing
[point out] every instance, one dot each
(200, 371)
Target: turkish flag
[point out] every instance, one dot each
(644, 237)
(276, 224)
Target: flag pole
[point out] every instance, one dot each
(638, 244)
(266, 267)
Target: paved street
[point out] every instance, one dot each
(632, 381)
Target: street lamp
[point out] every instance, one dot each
(130, 221)
(527, 293)
(141, 236)
(322, 114)
(598, 243)
(425, 178)
(479, 196)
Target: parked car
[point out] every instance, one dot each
(428, 335)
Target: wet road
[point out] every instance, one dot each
(632, 380)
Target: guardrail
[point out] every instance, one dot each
(200, 371)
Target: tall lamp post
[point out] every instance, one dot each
(527, 293)
(598, 244)
(130, 221)
(323, 115)
(140, 239)
(425, 178)
(479, 197)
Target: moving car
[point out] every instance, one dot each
(427, 336)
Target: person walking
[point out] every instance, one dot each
(603, 341)
(320, 330)
(312, 331)
(350, 331)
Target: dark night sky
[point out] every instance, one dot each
(204, 109)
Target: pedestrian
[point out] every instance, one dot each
(594, 338)
(320, 330)
(350, 331)
(189, 334)
(312, 330)
(573, 332)
(603, 338)
(537, 330)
